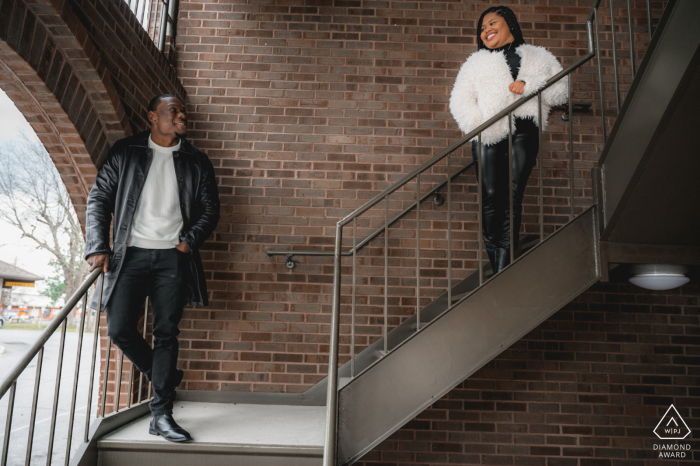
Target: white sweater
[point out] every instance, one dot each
(481, 90)
(158, 219)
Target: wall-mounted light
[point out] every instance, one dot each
(659, 276)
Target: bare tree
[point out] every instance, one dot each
(34, 200)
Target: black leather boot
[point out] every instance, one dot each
(492, 259)
(502, 258)
(165, 426)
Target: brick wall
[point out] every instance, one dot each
(307, 110)
(120, 48)
(585, 388)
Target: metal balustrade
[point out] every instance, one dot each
(158, 18)
(81, 297)
(382, 199)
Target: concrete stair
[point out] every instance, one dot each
(224, 434)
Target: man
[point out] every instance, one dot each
(162, 193)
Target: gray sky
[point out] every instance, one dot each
(12, 248)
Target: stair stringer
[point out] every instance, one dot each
(482, 325)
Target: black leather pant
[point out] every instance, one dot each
(495, 190)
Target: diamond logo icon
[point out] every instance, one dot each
(672, 426)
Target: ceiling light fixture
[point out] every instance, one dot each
(659, 276)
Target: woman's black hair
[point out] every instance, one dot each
(507, 14)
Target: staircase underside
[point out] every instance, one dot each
(650, 167)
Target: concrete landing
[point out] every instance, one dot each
(224, 434)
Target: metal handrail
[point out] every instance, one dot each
(375, 233)
(37, 351)
(48, 332)
(330, 440)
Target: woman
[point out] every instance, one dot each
(502, 70)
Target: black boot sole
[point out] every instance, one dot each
(152, 431)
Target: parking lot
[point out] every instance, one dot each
(16, 343)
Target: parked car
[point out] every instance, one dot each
(26, 320)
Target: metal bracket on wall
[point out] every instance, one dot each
(576, 107)
(290, 264)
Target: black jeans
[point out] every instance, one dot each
(160, 274)
(495, 189)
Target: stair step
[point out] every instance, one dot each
(224, 434)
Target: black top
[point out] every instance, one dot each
(512, 58)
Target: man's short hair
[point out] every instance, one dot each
(153, 104)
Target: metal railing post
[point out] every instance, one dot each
(136, 12)
(386, 274)
(148, 8)
(354, 285)
(540, 163)
(118, 386)
(418, 252)
(449, 234)
(329, 447)
(54, 411)
(35, 401)
(8, 424)
(571, 149)
(629, 21)
(145, 324)
(600, 77)
(614, 52)
(163, 25)
(510, 187)
(480, 216)
(105, 379)
(131, 385)
(75, 380)
(94, 357)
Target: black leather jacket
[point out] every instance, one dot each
(117, 190)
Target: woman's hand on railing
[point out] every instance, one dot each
(97, 260)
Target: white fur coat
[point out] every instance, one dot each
(481, 89)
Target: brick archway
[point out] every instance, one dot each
(51, 124)
(48, 75)
(82, 74)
